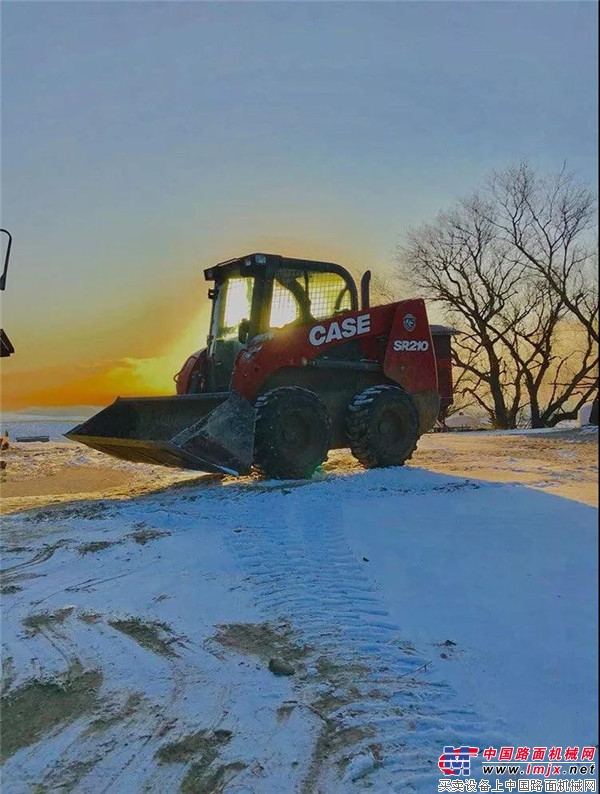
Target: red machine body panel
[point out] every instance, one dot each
(296, 346)
(195, 363)
(410, 356)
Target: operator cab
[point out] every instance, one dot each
(264, 292)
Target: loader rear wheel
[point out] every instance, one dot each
(382, 426)
(292, 433)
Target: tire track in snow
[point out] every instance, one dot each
(388, 717)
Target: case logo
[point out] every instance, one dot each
(410, 322)
(347, 328)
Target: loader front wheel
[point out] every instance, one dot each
(382, 426)
(292, 433)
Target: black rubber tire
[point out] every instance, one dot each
(382, 426)
(292, 433)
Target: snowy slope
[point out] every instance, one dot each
(418, 610)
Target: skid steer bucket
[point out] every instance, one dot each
(205, 432)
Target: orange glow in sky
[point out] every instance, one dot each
(130, 345)
(159, 336)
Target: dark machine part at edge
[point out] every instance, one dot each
(6, 346)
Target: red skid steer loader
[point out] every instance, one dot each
(294, 366)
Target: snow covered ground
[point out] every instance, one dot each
(417, 609)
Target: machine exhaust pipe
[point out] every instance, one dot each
(365, 291)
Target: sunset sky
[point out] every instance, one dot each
(144, 141)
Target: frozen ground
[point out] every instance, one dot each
(418, 608)
(564, 462)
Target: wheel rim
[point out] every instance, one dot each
(296, 431)
(391, 427)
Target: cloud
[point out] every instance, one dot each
(95, 384)
(148, 348)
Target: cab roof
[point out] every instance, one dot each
(259, 262)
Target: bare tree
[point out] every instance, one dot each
(512, 268)
(548, 221)
(386, 289)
